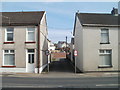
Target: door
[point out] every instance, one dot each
(30, 67)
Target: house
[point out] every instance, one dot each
(61, 44)
(23, 42)
(96, 40)
(51, 46)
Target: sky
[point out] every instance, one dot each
(60, 15)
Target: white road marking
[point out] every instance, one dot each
(28, 86)
(108, 85)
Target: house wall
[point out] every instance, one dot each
(43, 43)
(0, 46)
(92, 39)
(119, 47)
(78, 40)
(19, 46)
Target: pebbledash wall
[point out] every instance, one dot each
(21, 47)
(87, 42)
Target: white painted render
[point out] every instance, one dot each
(78, 44)
(41, 68)
(43, 41)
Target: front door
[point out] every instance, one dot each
(30, 67)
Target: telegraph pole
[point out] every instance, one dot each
(66, 46)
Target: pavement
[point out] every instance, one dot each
(60, 68)
(57, 75)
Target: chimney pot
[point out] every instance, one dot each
(114, 11)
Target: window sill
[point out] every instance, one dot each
(29, 42)
(105, 66)
(8, 66)
(9, 42)
(105, 43)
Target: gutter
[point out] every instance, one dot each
(38, 50)
(100, 25)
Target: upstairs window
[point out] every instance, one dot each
(104, 36)
(30, 34)
(9, 34)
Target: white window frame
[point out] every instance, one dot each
(27, 34)
(6, 32)
(107, 33)
(105, 53)
(9, 52)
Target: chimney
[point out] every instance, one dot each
(114, 11)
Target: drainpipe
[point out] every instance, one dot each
(38, 64)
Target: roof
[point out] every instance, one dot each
(21, 18)
(98, 19)
(61, 42)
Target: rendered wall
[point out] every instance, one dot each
(92, 39)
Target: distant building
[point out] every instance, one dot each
(51, 46)
(96, 40)
(62, 44)
(23, 42)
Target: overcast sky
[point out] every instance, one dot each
(60, 15)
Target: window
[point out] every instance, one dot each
(9, 58)
(104, 36)
(105, 58)
(30, 34)
(30, 56)
(9, 34)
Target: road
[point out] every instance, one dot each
(61, 75)
(61, 66)
(76, 82)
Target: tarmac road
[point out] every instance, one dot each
(61, 75)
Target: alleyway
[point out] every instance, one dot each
(61, 65)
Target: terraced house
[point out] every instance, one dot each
(96, 40)
(23, 42)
